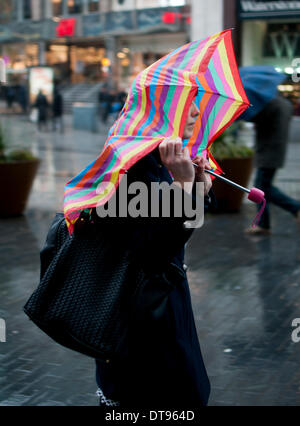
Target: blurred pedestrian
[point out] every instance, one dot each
(117, 102)
(42, 106)
(57, 111)
(272, 129)
(10, 96)
(22, 98)
(121, 98)
(103, 99)
(108, 109)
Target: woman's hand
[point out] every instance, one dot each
(178, 162)
(201, 176)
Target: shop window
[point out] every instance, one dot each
(20, 56)
(32, 55)
(282, 41)
(93, 5)
(57, 58)
(57, 7)
(42, 7)
(57, 54)
(27, 12)
(86, 63)
(74, 6)
(7, 11)
(37, 10)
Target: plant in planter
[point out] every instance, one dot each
(236, 160)
(18, 169)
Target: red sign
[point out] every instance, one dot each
(173, 17)
(66, 27)
(170, 17)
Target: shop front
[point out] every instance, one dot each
(22, 46)
(270, 35)
(18, 57)
(77, 61)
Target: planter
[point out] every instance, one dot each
(238, 170)
(16, 181)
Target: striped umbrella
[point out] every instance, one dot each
(157, 107)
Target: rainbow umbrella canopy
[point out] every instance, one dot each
(157, 106)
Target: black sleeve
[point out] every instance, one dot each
(155, 240)
(162, 237)
(49, 249)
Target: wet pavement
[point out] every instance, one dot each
(245, 291)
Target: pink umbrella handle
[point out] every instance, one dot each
(257, 196)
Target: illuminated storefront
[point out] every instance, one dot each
(270, 35)
(19, 57)
(77, 62)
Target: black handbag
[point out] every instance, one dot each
(91, 289)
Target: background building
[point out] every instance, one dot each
(87, 40)
(91, 41)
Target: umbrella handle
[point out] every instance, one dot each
(255, 194)
(230, 182)
(226, 180)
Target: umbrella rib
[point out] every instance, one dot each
(210, 92)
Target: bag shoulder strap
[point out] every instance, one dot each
(53, 242)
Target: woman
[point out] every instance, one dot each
(164, 366)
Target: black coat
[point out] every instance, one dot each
(164, 366)
(57, 106)
(42, 105)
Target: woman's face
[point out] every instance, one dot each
(190, 121)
